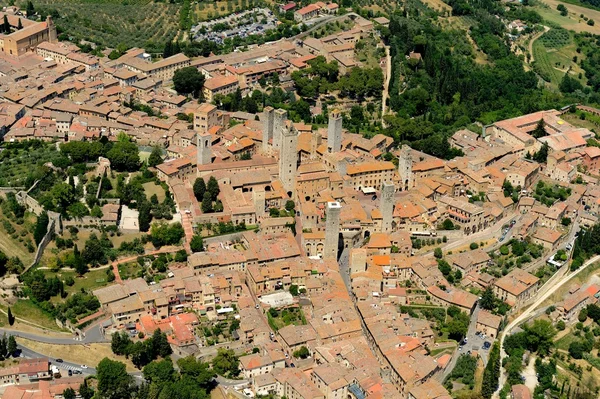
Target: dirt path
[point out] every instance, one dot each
(386, 86)
(533, 39)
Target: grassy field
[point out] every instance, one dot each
(29, 311)
(90, 355)
(587, 123)
(129, 270)
(554, 53)
(573, 21)
(89, 282)
(14, 246)
(151, 188)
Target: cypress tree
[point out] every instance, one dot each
(11, 318)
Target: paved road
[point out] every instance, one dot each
(29, 354)
(558, 280)
(474, 343)
(231, 383)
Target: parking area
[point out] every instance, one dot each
(242, 24)
(477, 343)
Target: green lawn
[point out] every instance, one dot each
(89, 282)
(286, 317)
(129, 270)
(564, 342)
(151, 188)
(27, 310)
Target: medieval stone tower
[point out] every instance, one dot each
(268, 119)
(278, 127)
(204, 151)
(258, 197)
(387, 206)
(405, 169)
(288, 157)
(332, 230)
(334, 132)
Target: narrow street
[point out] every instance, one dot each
(473, 344)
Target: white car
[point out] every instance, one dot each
(83, 366)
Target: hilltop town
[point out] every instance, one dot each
(242, 224)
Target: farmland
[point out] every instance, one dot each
(573, 21)
(554, 53)
(110, 22)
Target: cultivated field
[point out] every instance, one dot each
(573, 21)
(111, 22)
(554, 53)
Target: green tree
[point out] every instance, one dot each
(438, 253)
(206, 205)
(458, 326)
(41, 226)
(19, 25)
(540, 129)
(6, 25)
(85, 391)
(542, 155)
(11, 318)
(213, 188)
(199, 188)
(488, 300)
(294, 290)
(144, 216)
(11, 345)
(226, 363)
(188, 81)
(160, 344)
(29, 10)
(290, 205)
(80, 265)
(124, 155)
(196, 244)
(197, 370)
(301, 353)
(161, 372)
(473, 246)
(155, 157)
(93, 253)
(491, 374)
(447, 225)
(68, 393)
(3, 348)
(113, 380)
(565, 221)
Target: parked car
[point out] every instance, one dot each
(59, 360)
(83, 366)
(487, 345)
(70, 373)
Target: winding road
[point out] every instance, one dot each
(547, 290)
